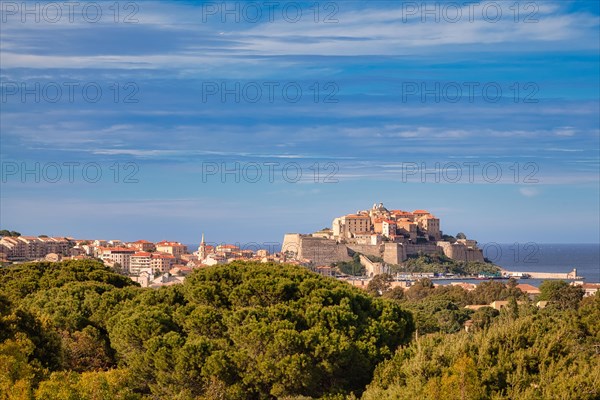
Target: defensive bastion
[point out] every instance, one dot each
(323, 251)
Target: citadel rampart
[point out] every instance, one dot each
(323, 251)
(367, 249)
(319, 250)
(460, 252)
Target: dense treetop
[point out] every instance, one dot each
(77, 330)
(441, 264)
(240, 331)
(530, 354)
(6, 232)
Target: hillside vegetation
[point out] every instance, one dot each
(441, 264)
(525, 355)
(76, 330)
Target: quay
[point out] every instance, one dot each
(542, 275)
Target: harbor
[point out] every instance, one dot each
(542, 275)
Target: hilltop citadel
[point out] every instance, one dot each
(392, 235)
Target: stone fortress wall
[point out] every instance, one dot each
(461, 252)
(323, 251)
(320, 251)
(391, 235)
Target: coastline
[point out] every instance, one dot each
(542, 275)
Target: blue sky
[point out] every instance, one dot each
(395, 107)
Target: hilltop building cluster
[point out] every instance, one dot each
(392, 235)
(377, 224)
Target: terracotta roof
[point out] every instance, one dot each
(162, 255)
(356, 216)
(591, 286)
(142, 254)
(420, 212)
(527, 288)
(165, 243)
(127, 249)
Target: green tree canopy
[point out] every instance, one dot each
(239, 331)
(5, 232)
(77, 330)
(550, 354)
(560, 294)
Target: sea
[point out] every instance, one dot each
(534, 257)
(553, 258)
(537, 257)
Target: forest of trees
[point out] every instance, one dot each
(77, 330)
(527, 354)
(422, 263)
(441, 264)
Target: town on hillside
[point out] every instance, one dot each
(376, 241)
(148, 263)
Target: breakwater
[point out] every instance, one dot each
(542, 275)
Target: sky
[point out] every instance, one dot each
(246, 120)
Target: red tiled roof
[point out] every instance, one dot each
(165, 243)
(400, 212)
(591, 286)
(162, 255)
(525, 287)
(356, 216)
(127, 249)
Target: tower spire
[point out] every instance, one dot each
(202, 249)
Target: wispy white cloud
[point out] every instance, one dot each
(529, 191)
(565, 131)
(368, 31)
